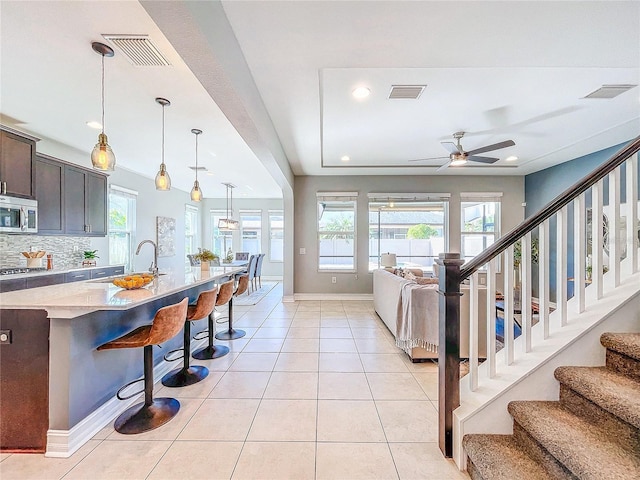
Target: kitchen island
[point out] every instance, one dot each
(56, 389)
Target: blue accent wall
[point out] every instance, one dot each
(543, 186)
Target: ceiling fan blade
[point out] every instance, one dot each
(474, 158)
(489, 148)
(450, 147)
(425, 159)
(443, 167)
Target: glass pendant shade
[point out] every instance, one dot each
(163, 181)
(196, 193)
(102, 157)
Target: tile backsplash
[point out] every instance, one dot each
(66, 251)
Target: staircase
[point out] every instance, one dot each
(591, 433)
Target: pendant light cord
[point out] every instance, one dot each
(103, 94)
(196, 157)
(163, 134)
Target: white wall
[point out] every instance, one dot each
(307, 279)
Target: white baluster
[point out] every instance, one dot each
(473, 332)
(561, 264)
(491, 317)
(597, 192)
(579, 252)
(508, 305)
(614, 226)
(525, 292)
(543, 275)
(633, 225)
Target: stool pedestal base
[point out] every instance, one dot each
(230, 334)
(144, 417)
(211, 352)
(185, 376)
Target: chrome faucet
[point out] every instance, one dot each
(154, 266)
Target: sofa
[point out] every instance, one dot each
(391, 307)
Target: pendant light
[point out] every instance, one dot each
(102, 157)
(228, 223)
(163, 181)
(196, 193)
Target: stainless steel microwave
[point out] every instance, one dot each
(18, 215)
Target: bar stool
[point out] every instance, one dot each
(231, 334)
(188, 375)
(211, 351)
(153, 412)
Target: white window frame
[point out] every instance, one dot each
(480, 198)
(272, 229)
(348, 198)
(130, 230)
(250, 213)
(397, 199)
(193, 239)
(226, 236)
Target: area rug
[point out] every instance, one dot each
(256, 296)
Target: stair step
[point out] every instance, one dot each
(626, 343)
(498, 457)
(610, 390)
(589, 452)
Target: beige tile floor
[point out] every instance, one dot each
(316, 390)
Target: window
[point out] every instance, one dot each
(480, 217)
(122, 226)
(251, 231)
(276, 236)
(337, 231)
(191, 215)
(222, 240)
(413, 226)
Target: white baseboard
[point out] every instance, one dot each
(333, 296)
(63, 443)
(272, 278)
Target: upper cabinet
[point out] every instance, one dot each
(49, 179)
(85, 200)
(17, 160)
(71, 200)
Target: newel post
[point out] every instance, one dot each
(448, 347)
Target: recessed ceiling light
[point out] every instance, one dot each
(212, 154)
(94, 124)
(511, 158)
(210, 173)
(361, 92)
(345, 158)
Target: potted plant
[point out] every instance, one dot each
(206, 257)
(89, 258)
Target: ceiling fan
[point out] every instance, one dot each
(458, 156)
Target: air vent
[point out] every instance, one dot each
(139, 50)
(200, 169)
(411, 92)
(610, 91)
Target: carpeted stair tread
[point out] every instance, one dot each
(610, 390)
(497, 457)
(625, 343)
(589, 452)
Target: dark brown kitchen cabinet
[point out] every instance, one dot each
(49, 180)
(17, 159)
(85, 202)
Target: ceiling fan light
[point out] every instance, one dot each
(102, 157)
(456, 162)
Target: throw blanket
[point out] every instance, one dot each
(418, 325)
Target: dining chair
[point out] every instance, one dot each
(258, 275)
(251, 271)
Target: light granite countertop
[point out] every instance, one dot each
(70, 300)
